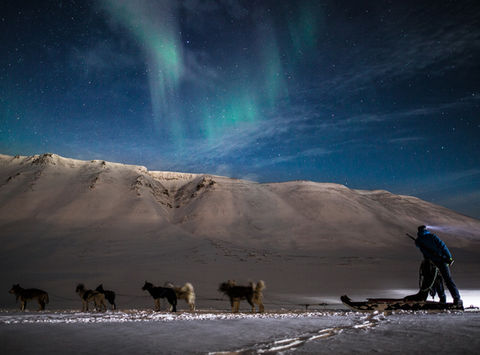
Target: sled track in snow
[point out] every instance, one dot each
(292, 343)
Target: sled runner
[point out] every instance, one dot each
(394, 304)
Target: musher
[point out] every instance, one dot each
(435, 251)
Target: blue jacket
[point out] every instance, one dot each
(433, 248)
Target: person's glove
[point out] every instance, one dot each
(449, 261)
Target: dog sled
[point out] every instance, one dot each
(396, 304)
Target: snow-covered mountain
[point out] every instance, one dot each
(91, 218)
(68, 193)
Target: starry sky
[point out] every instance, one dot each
(370, 94)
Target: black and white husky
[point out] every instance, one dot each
(185, 292)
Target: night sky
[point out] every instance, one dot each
(370, 94)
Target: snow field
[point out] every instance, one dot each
(147, 332)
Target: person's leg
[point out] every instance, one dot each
(439, 289)
(447, 277)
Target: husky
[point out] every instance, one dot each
(185, 292)
(252, 293)
(26, 294)
(109, 295)
(91, 296)
(161, 292)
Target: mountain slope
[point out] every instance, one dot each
(74, 193)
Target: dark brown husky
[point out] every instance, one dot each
(109, 295)
(252, 293)
(25, 294)
(158, 292)
(91, 296)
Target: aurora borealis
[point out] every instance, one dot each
(374, 95)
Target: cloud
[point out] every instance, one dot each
(459, 191)
(465, 202)
(424, 49)
(404, 140)
(309, 131)
(434, 184)
(101, 57)
(307, 153)
(246, 139)
(198, 70)
(357, 123)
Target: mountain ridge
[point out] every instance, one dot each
(203, 204)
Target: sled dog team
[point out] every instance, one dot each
(252, 293)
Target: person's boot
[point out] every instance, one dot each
(458, 303)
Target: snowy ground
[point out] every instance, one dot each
(147, 332)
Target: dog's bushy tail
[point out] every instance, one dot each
(259, 287)
(188, 287)
(189, 291)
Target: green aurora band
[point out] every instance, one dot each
(244, 92)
